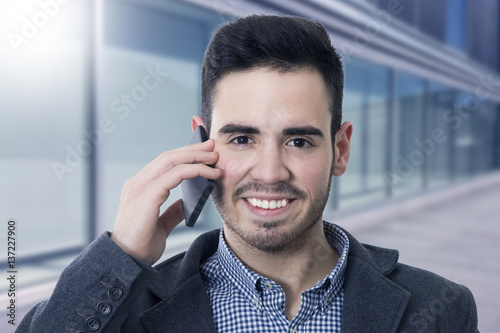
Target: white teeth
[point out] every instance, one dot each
(268, 204)
(272, 204)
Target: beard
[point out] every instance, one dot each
(271, 236)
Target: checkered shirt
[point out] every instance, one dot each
(244, 301)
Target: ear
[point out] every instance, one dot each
(195, 122)
(342, 148)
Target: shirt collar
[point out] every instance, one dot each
(339, 241)
(249, 282)
(245, 279)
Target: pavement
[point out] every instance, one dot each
(456, 235)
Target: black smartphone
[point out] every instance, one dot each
(195, 191)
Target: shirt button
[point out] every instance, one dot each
(268, 285)
(115, 293)
(104, 308)
(256, 304)
(295, 330)
(93, 324)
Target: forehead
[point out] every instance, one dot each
(267, 98)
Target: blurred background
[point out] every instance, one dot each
(91, 91)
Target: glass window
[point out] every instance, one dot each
(406, 11)
(43, 149)
(496, 150)
(366, 96)
(483, 127)
(409, 127)
(461, 123)
(149, 91)
(44, 152)
(456, 24)
(437, 143)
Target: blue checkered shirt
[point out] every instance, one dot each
(244, 301)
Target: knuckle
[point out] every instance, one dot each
(167, 158)
(165, 154)
(132, 185)
(127, 184)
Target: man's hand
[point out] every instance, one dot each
(138, 229)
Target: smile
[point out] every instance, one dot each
(267, 204)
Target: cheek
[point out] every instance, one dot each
(232, 170)
(314, 177)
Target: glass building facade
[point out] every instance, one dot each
(104, 87)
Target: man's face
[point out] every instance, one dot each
(272, 134)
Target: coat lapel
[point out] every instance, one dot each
(184, 304)
(372, 302)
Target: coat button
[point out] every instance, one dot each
(104, 308)
(115, 293)
(93, 324)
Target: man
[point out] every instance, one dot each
(271, 102)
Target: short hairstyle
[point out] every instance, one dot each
(282, 43)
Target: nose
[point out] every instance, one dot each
(270, 165)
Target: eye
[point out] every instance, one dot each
(241, 140)
(299, 143)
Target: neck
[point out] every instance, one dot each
(296, 268)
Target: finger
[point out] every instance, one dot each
(176, 175)
(172, 216)
(171, 159)
(195, 153)
(208, 145)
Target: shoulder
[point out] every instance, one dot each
(425, 285)
(433, 302)
(421, 283)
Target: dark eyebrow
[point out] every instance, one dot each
(234, 128)
(303, 130)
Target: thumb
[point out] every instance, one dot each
(172, 216)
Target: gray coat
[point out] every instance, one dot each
(106, 290)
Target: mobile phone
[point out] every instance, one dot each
(195, 191)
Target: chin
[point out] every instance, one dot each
(271, 237)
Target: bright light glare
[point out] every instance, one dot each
(31, 28)
(43, 43)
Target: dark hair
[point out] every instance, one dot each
(282, 43)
